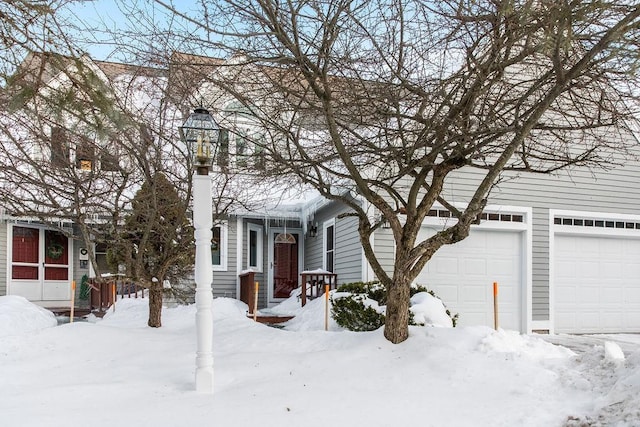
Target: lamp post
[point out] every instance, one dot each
(200, 132)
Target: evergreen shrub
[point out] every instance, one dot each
(352, 308)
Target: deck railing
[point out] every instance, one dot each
(313, 284)
(102, 292)
(247, 289)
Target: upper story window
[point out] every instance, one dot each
(329, 247)
(109, 161)
(67, 149)
(60, 152)
(85, 154)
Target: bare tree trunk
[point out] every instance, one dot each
(396, 325)
(155, 304)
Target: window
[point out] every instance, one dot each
(223, 148)
(242, 148)
(219, 247)
(260, 161)
(85, 154)
(109, 161)
(254, 247)
(329, 246)
(59, 148)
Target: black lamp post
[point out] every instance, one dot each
(201, 133)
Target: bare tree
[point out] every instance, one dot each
(389, 98)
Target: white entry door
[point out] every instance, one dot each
(596, 284)
(462, 275)
(40, 264)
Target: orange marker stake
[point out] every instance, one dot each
(495, 305)
(326, 307)
(113, 295)
(73, 300)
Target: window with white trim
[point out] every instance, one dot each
(219, 249)
(329, 245)
(254, 247)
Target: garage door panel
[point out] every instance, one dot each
(566, 269)
(612, 295)
(631, 269)
(501, 242)
(508, 292)
(603, 293)
(446, 292)
(588, 295)
(586, 270)
(462, 275)
(503, 267)
(475, 267)
(447, 265)
(610, 270)
(474, 295)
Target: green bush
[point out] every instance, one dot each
(351, 311)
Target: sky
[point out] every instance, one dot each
(112, 16)
(118, 371)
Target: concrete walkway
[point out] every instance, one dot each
(629, 343)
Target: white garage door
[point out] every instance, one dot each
(462, 275)
(597, 284)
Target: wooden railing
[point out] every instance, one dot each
(247, 289)
(102, 292)
(313, 284)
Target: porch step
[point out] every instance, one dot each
(271, 319)
(77, 312)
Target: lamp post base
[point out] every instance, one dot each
(204, 380)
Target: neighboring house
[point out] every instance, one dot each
(564, 250)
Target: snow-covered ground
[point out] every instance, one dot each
(117, 371)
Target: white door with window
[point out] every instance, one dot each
(40, 264)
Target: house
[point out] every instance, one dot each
(563, 248)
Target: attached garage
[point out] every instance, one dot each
(595, 275)
(462, 275)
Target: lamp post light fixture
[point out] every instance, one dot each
(200, 132)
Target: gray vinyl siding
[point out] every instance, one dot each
(3, 258)
(384, 247)
(613, 191)
(224, 282)
(77, 272)
(348, 251)
(348, 255)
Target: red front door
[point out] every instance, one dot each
(285, 267)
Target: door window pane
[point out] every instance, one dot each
(24, 272)
(56, 247)
(25, 244)
(25, 250)
(56, 273)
